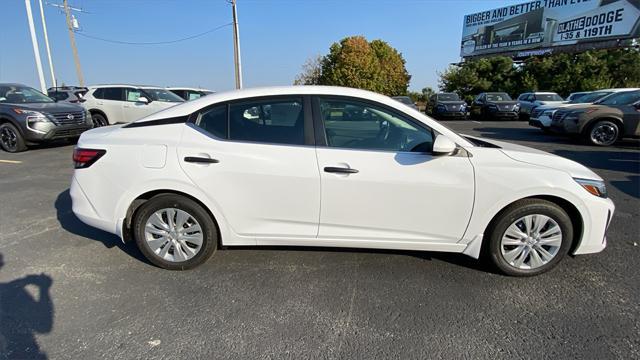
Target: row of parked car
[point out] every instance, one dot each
(600, 117)
(28, 116)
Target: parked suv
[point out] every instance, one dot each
(494, 105)
(602, 124)
(542, 115)
(531, 100)
(27, 116)
(447, 106)
(72, 94)
(110, 104)
(189, 93)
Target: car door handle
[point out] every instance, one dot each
(340, 170)
(202, 160)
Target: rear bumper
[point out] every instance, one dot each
(85, 210)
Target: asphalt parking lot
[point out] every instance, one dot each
(76, 292)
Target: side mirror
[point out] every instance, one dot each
(143, 99)
(443, 146)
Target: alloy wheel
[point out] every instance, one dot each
(531, 241)
(604, 134)
(173, 235)
(9, 139)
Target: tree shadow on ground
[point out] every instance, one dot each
(70, 222)
(23, 315)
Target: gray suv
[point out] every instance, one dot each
(28, 117)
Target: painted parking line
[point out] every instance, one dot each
(10, 161)
(477, 122)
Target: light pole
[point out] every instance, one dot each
(72, 38)
(236, 46)
(46, 41)
(34, 41)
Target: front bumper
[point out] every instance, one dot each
(504, 115)
(595, 225)
(542, 122)
(55, 132)
(452, 114)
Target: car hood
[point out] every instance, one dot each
(505, 102)
(454, 102)
(552, 102)
(542, 158)
(555, 106)
(48, 107)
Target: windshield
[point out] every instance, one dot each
(448, 97)
(15, 94)
(548, 97)
(163, 95)
(621, 98)
(589, 98)
(404, 100)
(498, 97)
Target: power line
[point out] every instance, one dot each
(155, 42)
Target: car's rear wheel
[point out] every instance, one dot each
(603, 133)
(99, 120)
(529, 237)
(175, 232)
(10, 139)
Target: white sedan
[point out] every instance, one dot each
(329, 166)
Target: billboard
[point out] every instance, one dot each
(542, 26)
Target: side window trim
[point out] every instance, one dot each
(320, 133)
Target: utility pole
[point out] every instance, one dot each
(72, 37)
(236, 46)
(46, 41)
(34, 41)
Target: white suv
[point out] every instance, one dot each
(111, 104)
(530, 101)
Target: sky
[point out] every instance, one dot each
(276, 36)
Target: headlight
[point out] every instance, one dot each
(548, 113)
(516, 107)
(493, 107)
(595, 187)
(32, 116)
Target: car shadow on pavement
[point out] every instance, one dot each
(451, 258)
(23, 315)
(70, 222)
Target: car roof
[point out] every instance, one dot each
(125, 85)
(619, 89)
(186, 88)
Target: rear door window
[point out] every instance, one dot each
(113, 94)
(278, 121)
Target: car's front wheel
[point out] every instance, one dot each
(175, 232)
(603, 133)
(529, 237)
(10, 139)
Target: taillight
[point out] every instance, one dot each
(83, 158)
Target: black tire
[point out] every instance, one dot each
(514, 212)
(610, 133)
(11, 139)
(99, 120)
(207, 225)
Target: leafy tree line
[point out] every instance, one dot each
(561, 73)
(376, 66)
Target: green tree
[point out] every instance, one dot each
(358, 63)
